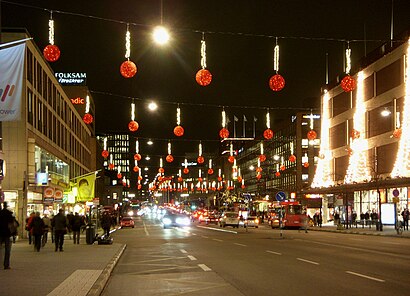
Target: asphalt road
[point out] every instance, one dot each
(209, 260)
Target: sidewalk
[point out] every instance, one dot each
(388, 230)
(79, 270)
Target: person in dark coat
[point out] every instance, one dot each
(6, 217)
(60, 225)
(106, 223)
(76, 223)
(37, 227)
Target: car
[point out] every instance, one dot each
(229, 219)
(252, 221)
(173, 219)
(213, 217)
(127, 222)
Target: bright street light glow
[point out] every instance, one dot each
(147, 158)
(150, 142)
(160, 35)
(145, 169)
(152, 106)
(386, 112)
(251, 167)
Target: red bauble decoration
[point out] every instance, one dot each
(105, 153)
(277, 174)
(200, 159)
(276, 82)
(231, 158)
(180, 179)
(88, 118)
(397, 133)
(355, 134)
(239, 179)
(219, 179)
(133, 126)
(137, 156)
(160, 178)
(243, 186)
(210, 171)
(51, 53)
(203, 77)
(268, 134)
(258, 169)
(186, 171)
(200, 179)
(258, 176)
(348, 83)
(282, 167)
(262, 157)
(139, 186)
(119, 176)
(178, 131)
(111, 166)
(140, 178)
(224, 133)
(292, 158)
(306, 164)
(311, 135)
(128, 69)
(161, 170)
(169, 158)
(136, 169)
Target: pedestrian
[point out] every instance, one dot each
(106, 223)
(14, 229)
(362, 219)
(315, 218)
(337, 218)
(27, 227)
(70, 217)
(354, 218)
(6, 219)
(367, 218)
(37, 228)
(406, 216)
(47, 228)
(76, 224)
(319, 219)
(60, 225)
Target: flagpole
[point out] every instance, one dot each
(234, 130)
(244, 126)
(93, 172)
(254, 126)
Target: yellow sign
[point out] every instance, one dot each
(85, 188)
(396, 199)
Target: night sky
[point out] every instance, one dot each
(240, 37)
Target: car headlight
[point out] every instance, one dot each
(130, 213)
(256, 221)
(166, 221)
(183, 221)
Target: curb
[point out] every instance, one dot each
(102, 280)
(360, 233)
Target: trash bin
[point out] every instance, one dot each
(90, 234)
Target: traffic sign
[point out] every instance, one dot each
(396, 192)
(396, 199)
(280, 196)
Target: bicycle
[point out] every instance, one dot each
(399, 227)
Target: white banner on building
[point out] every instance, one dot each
(11, 82)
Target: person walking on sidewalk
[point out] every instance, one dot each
(106, 223)
(28, 222)
(406, 218)
(60, 225)
(76, 224)
(47, 228)
(37, 227)
(6, 217)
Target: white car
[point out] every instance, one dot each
(252, 221)
(229, 219)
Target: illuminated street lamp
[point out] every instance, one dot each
(161, 35)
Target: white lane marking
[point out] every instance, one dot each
(205, 236)
(191, 257)
(145, 228)
(391, 243)
(272, 252)
(183, 251)
(366, 276)
(242, 245)
(217, 229)
(204, 267)
(218, 240)
(307, 261)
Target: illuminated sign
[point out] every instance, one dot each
(78, 101)
(71, 78)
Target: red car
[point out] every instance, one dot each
(127, 222)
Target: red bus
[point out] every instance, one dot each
(293, 215)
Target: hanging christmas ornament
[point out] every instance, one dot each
(277, 174)
(161, 166)
(231, 158)
(111, 166)
(262, 156)
(128, 69)
(259, 168)
(200, 158)
(306, 164)
(178, 130)
(311, 135)
(258, 176)
(186, 170)
(139, 186)
(119, 175)
(276, 82)
(169, 157)
(105, 152)
(87, 118)
(282, 167)
(136, 169)
(51, 52)
(200, 176)
(133, 125)
(239, 179)
(203, 77)
(397, 133)
(355, 134)
(210, 170)
(223, 133)
(348, 83)
(268, 133)
(292, 158)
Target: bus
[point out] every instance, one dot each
(293, 215)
